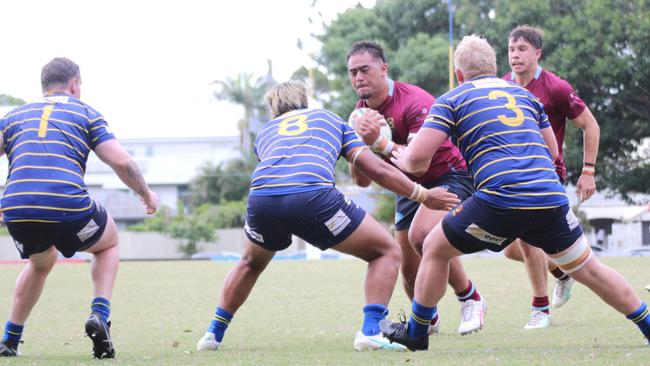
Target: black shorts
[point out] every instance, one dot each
(458, 182)
(322, 217)
(474, 226)
(68, 237)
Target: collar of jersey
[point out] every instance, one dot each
(538, 73)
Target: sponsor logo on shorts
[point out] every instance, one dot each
(19, 246)
(572, 220)
(482, 235)
(338, 222)
(255, 235)
(88, 231)
(456, 211)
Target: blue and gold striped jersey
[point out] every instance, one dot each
(496, 125)
(47, 144)
(298, 152)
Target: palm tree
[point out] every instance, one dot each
(248, 91)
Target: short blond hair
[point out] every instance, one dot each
(474, 57)
(285, 97)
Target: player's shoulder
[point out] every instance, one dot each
(553, 82)
(414, 90)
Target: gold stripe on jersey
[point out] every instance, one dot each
(486, 97)
(507, 132)
(90, 205)
(19, 122)
(300, 137)
(329, 153)
(271, 135)
(82, 128)
(352, 141)
(288, 175)
(511, 158)
(432, 117)
(292, 165)
(43, 181)
(46, 168)
(24, 111)
(505, 146)
(44, 142)
(481, 183)
(533, 208)
(491, 86)
(13, 160)
(480, 111)
(460, 138)
(523, 194)
(46, 194)
(45, 116)
(531, 182)
(42, 221)
(291, 156)
(291, 184)
(442, 105)
(50, 129)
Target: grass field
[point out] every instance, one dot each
(306, 312)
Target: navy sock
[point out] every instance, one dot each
(219, 324)
(641, 317)
(372, 315)
(13, 333)
(102, 307)
(420, 320)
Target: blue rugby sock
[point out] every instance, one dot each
(420, 319)
(219, 324)
(641, 317)
(12, 335)
(372, 315)
(102, 307)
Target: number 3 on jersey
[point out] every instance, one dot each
(511, 104)
(293, 126)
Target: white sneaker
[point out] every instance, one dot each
(435, 327)
(372, 343)
(538, 320)
(471, 316)
(207, 343)
(647, 287)
(562, 292)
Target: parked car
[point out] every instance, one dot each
(639, 251)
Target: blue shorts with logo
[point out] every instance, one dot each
(323, 218)
(474, 226)
(458, 182)
(68, 237)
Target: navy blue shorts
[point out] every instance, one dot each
(68, 237)
(474, 226)
(322, 217)
(457, 182)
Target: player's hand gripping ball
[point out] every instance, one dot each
(384, 129)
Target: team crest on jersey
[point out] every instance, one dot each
(391, 122)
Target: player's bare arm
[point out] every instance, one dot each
(112, 153)
(391, 178)
(416, 157)
(586, 185)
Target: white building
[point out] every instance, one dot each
(168, 165)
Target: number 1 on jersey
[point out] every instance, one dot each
(45, 116)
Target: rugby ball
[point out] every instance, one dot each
(384, 129)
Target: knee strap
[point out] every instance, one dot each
(575, 256)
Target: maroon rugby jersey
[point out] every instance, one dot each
(560, 102)
(405, 109)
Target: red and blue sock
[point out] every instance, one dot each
(470, 293)
(541, 304)
(220, 323)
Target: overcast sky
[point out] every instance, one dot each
(147, 65)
